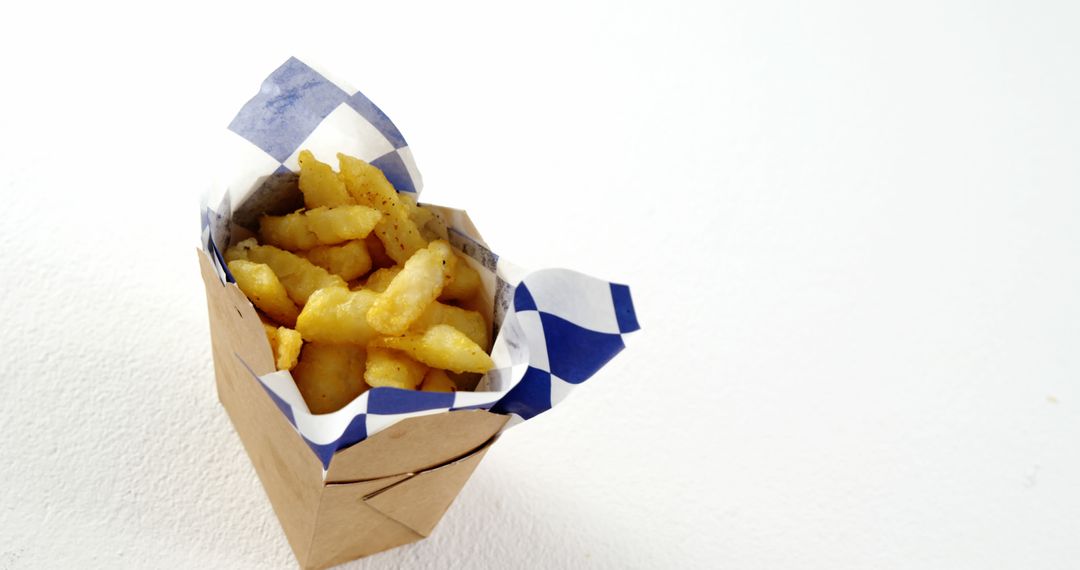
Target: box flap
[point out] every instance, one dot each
(420, 501)
(415, 444)
(290, 473)
(348, 528)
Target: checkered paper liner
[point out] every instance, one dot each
(555, 327)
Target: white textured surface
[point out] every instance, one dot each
(881, 357)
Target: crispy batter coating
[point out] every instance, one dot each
(441, 346)
(330, 376)
(415, 287)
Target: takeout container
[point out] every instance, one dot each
(388, 490)
(383, 470)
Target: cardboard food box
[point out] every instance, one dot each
(388, 490)
(382, 471)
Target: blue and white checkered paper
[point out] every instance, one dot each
(556, 328)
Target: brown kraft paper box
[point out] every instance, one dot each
(388, 490)
(394, 486)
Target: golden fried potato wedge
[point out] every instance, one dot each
(343, 223)
(321, 226)
(285, 344)
(349, 260)
(437, 381)
(469, 322)
(368, 186)
(392, 368)
(300, 277)
(330, 376)
(463, 283)
(441, 346)
(414, 288)
(400, 238)
(320, 184)
(240, 250)
(289, 232)
(337, 315)
(379, 280)
(289, 344)
(263, 288)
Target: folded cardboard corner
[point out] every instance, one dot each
(388, 490)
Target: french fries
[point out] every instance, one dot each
(463, 282)
(330, 375)
(469, 322)
(299, 276)
(265, 291)
(437, 381)
(368, 186)
(412, 289)
(391, 368)
(320, 226)
(379, 280)
(402, 324)
(319, 183)
(343, 223)
(348, 260)
(441, 346)
(285, 344)
(335, 314)
(400, 238)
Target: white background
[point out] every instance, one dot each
(850, 232)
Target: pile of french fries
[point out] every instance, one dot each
(360, 289)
